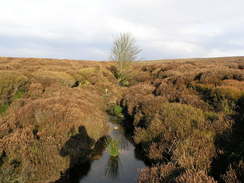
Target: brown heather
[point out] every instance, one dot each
(194, 177)
(186, 115)
(38, 124)
(171, 174)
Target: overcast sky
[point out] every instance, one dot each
(77, 29)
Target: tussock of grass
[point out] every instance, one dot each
(112, 148)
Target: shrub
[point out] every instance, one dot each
(162, 173)
(35, 131)
(166, 125)
(174, 121)
(180, 94)
(230, 176)
(191, 176)
(222, 98)
(171, 174)
(215, 76)
(196, 151)
(234, 174)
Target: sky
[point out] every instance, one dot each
(76, 29)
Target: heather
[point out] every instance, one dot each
(184, 116)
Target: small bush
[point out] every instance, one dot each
(196, 151)
(170, 173)
(174, 121)
(162, 173)
(222, 98)
(234, 174)
(191, 176)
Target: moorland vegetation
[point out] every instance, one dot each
(185, 116)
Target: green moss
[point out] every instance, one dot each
(3, 108)
(19, 94)
(10, 83)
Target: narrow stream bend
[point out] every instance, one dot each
(108, 169)
(103, 168)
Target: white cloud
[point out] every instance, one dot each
(86, 29)
(223, 53)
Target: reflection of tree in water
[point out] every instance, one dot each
(113, 166)
(82, 150)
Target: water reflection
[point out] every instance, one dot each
(90, 163)
(78, 146)
(82, 150)
(113, 166)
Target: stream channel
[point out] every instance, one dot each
(103, 168)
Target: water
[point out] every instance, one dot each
(124, 168)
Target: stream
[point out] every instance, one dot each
(108, 169)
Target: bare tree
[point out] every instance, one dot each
(124, 51)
